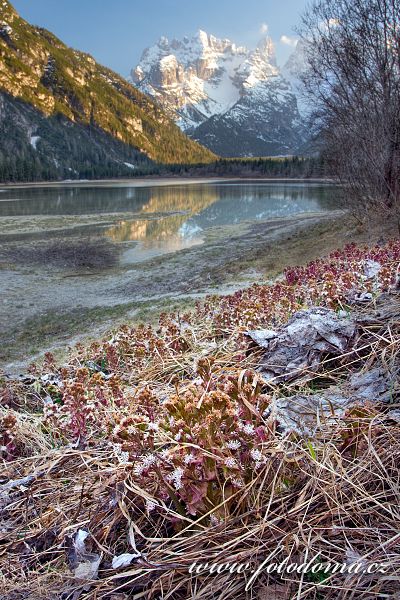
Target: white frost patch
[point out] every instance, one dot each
(130, 165)
(372, 268)
(34, 140)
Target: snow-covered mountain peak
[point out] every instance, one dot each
(266, 50)
(297, 61)
(202, 67)
(259, 65)
(196, 77)
(203, 77)
(201, 46)
(163, 42)
(204, 39)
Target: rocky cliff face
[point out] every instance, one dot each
(192, 78)
(235, 101)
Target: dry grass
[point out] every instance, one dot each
(338, 505)
(336, 496)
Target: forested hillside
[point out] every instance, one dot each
(61, 112)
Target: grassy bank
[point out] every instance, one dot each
(168, 444)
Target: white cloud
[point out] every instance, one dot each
(264, 28)
(289, 41)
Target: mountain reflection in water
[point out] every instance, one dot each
(216, 205)
(162, 219)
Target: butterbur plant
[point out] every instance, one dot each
(169, 433)
(332, 282)
(134, 427)
(200, 445)
(199, 430)
(220, 444)
(8, 424)
(79, 410)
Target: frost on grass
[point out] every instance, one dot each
(173, 432)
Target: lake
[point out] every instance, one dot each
(76, 257)
(158, 219)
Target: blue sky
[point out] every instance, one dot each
(116, 31)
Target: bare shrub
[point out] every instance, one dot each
(353, 79)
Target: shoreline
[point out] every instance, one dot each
(154, 180)
(47, 309)
(48, 305)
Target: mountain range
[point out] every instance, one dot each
(235, 101)
(63, 115)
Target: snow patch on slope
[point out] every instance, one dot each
(34, 140)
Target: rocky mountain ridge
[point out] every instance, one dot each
(235, 101)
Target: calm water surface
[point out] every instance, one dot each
(160, 219)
